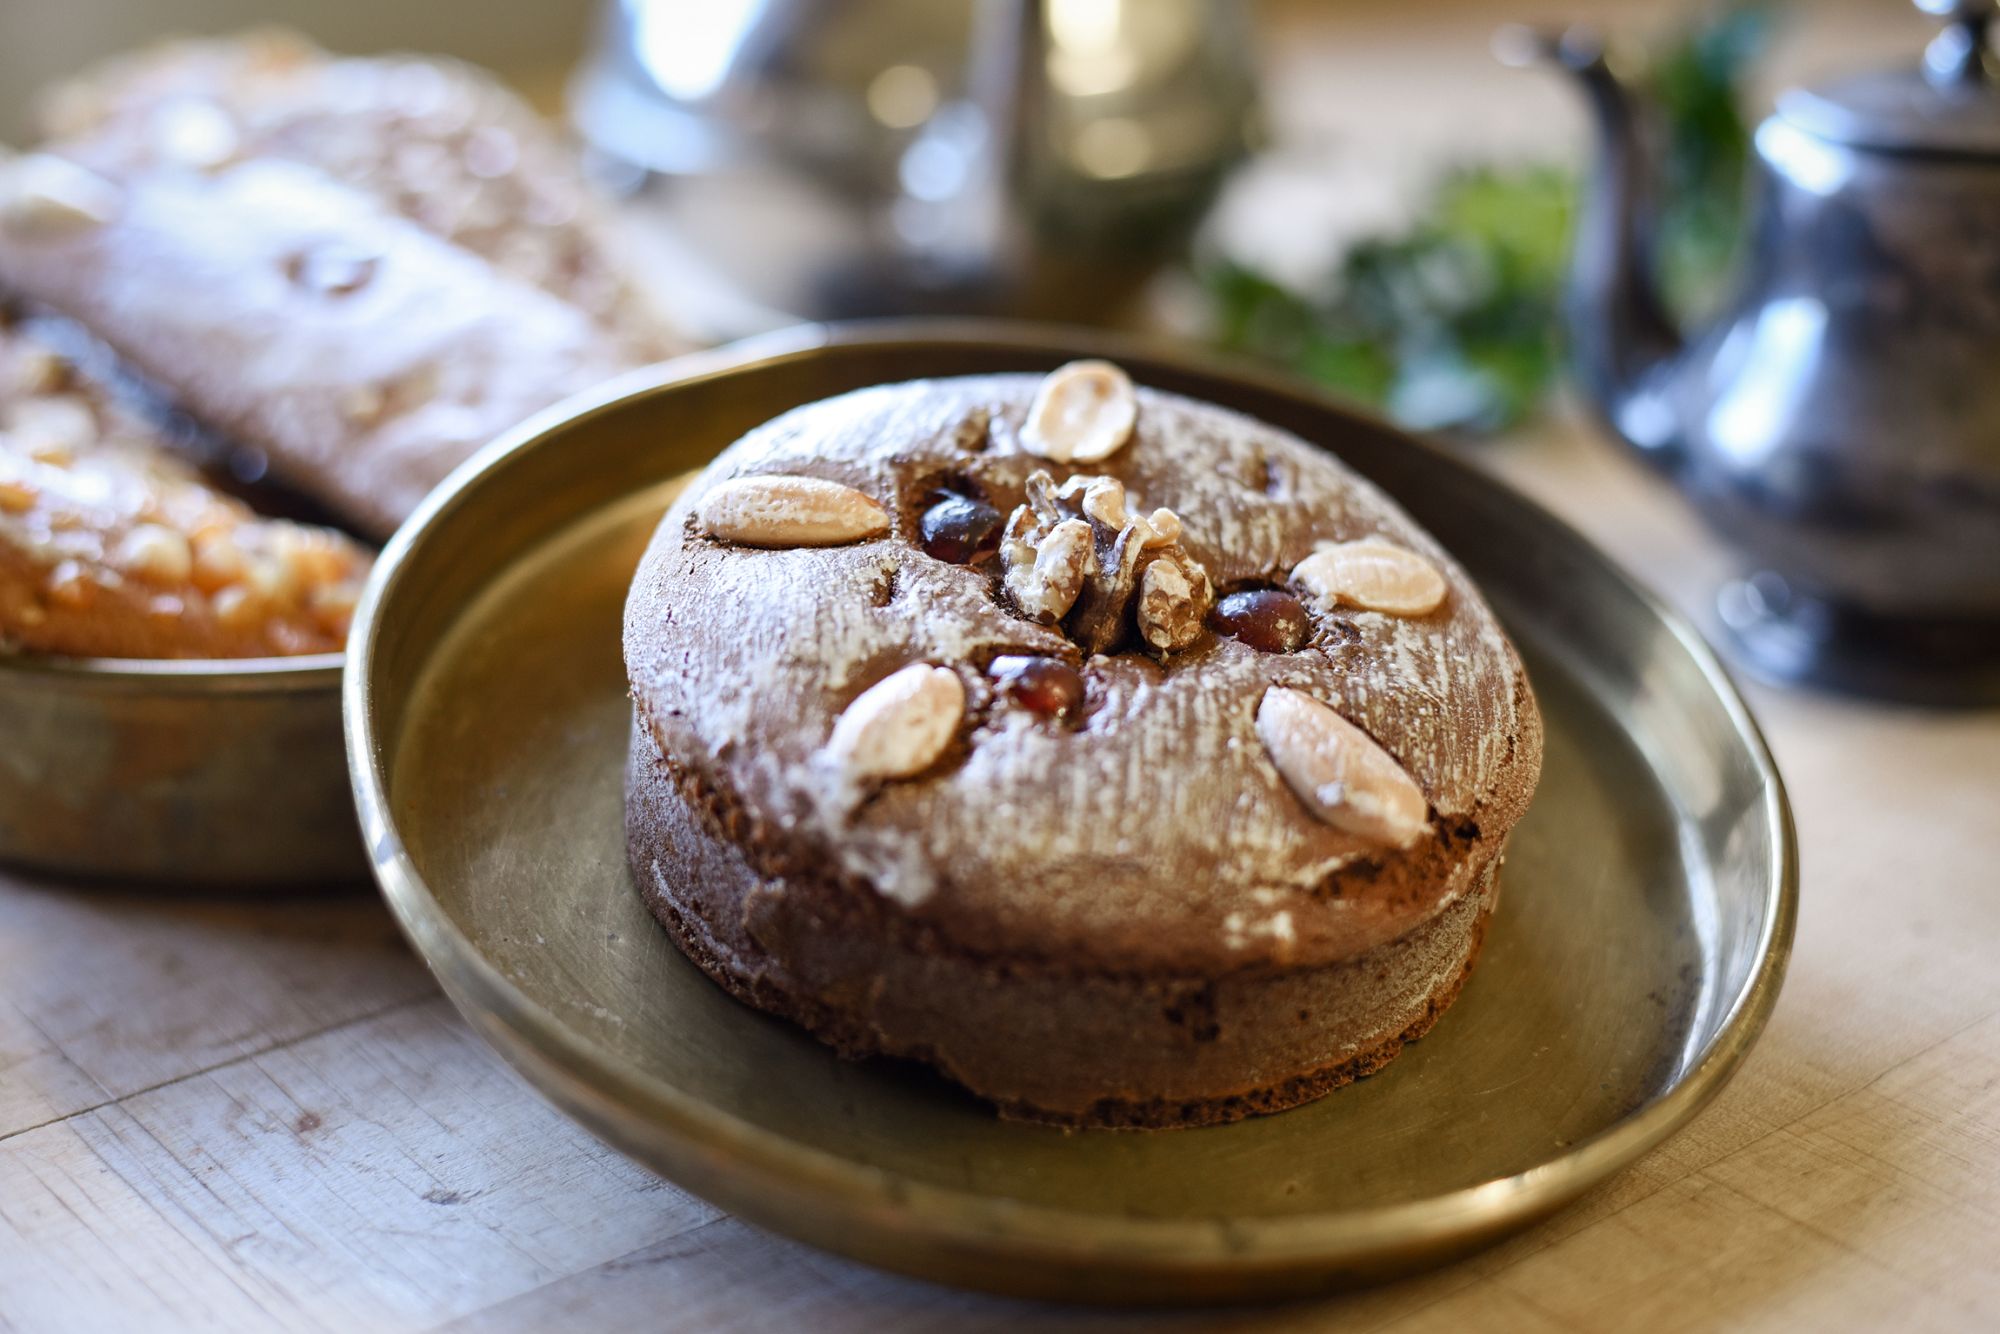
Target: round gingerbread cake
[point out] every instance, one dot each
(1128, 760)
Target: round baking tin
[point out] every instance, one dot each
(1645, 917)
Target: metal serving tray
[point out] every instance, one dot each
(1645, 918)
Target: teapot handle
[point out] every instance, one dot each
(1959, 54)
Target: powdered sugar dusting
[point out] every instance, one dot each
(1155, 818)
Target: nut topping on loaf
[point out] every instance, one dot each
(1083, 413)
(1046, 564)
(786, 511)
(1338, 771)
(1173, 597)
(1373, 575)
(1075, 555)
(900, 725)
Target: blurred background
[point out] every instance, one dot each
(1390, 202)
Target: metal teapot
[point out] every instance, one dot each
(837, 158)
(1839, 424)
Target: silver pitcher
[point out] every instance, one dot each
(835, 158)
(1839, 424)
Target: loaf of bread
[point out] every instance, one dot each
(439, 142)
(111, 547)
(363, 354)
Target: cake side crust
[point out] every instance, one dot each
(1078, 1047)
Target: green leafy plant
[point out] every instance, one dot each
(1453, 323)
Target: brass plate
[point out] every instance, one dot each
(214, 773)
(1646, 914)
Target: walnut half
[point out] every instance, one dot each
(1076, 556)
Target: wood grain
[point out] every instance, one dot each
(243, 1115)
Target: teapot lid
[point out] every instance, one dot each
(1950, 105)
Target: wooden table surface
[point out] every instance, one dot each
(227, 1115)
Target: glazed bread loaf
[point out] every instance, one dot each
(1130, 761)
(436, 141)
(112, 547)
(364, 355)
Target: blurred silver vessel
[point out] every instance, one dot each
(832, 158)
